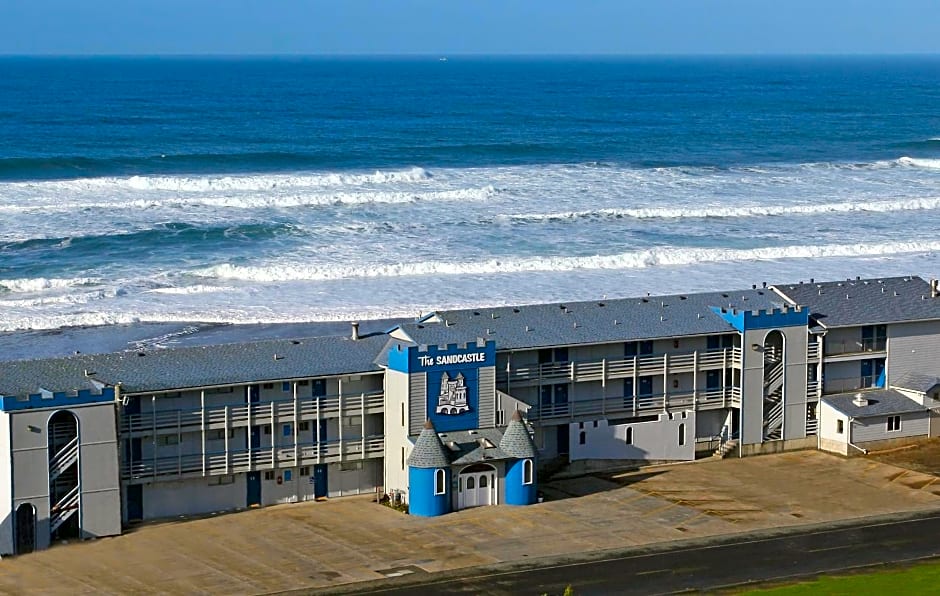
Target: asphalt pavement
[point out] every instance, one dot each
(710, 567)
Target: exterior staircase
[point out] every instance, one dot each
(725, 449)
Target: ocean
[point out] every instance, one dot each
(273, 190)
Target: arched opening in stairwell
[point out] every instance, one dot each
(774, 366)
(25, 529)
(64, 476)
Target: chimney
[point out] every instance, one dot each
(355, 330)
(860, 400)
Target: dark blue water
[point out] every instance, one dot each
(62, 118)
(272, 190)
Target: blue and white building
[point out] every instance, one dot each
(461, 408)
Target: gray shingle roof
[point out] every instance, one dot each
(880, 403)
(516, 441)
(471, 447)
(429, 451)
(916, 382)
(558, 324)
(182, 368)
(865, 301)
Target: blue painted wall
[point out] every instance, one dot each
(421, 498)
(742, 320)
(518, 493)
(59, 399)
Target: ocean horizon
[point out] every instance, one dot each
(293, 189)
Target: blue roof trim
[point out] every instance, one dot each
(771, 318)
(59, 399)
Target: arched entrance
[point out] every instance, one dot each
(25, 530)
(64, 479)
(476, 486)
(774, 360)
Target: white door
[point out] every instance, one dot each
(476, 489)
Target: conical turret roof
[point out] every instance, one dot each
(516, 441)
(429, 451)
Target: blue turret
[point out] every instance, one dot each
(429, 476)
(520, 483)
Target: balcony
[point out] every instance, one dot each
(832, 386)
(812, 351)
(245, 460)
(855, 347)
(619, 368)
(708, 399)
(220, 417)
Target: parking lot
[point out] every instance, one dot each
(313, 545)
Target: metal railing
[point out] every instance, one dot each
(831, 386)
(860, 346)
(812, 350)
(246, 460)
(64, 508)
(705, 399)
(65, 457)
(258, 413)
(618, 368)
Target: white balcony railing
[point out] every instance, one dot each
(618, 368)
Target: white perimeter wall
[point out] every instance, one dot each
(654, 440)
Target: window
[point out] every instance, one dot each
(287, 430)
(168, 440)
(874, 338)
(840, 426)
(268, 386)
(527, 471)
(350, 466)
(628, 438)
(894, 423)
(269, 475)
(402, 458)
(500, 418)
(288, 475)
(439, 481)
(354, 421)
(303, 426)
(221, 390)
(215, 435)
(403, 414)
(305, 471)
(285, 386)
(172, 394)
(682, 434)
(318, 388)
(221, 480)
(582, 438)
(712, 380)
(638, 348)
(267, 429)
(482, 481)
(303, 383)
(471, 483)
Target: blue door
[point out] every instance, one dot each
(135, 502)
(564, 447)
(254, 489)
(320, 488)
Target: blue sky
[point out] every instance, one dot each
(451, 27)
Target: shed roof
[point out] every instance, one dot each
(864, 301)
(572, 323)
(881, 402)
(182, 368)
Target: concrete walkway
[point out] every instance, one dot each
(315, 545)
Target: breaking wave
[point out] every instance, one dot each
(657, 257)
(731, 212)
(39, 284)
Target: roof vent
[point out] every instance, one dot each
(527, 328)
(896, 293)
(278, 357)
(448, 323)
(860, 400)
(493, 316)
(355, 330)
(934, 288)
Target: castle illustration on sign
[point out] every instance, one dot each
(453, 397)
